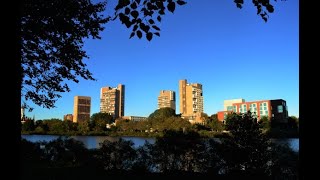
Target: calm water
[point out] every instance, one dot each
(92, 142)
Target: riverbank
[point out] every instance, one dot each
(278, 133)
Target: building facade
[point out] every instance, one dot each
(81, 108)
(191, 99)
(167, 99)
(273, 109)
(134, 118)
(68, 117)
(228, 103)
(112, 100)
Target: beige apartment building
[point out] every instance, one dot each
(81, 108)
(112, 100)
(167, 98)
(191, 99)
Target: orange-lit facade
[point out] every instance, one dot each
(112, 100)
(81, 108)
(167, 98)
(273, 109)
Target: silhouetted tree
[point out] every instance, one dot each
(246, 150)
(117, 155)
(143, 162)
(52, 34)
(30, 155)
(293, 122)
(178, 152)
(65, 152)
(284, 162)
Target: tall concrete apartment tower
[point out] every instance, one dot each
(112, 100)
(81, 108)
(167, 98)
(191, 99)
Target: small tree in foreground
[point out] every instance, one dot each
(247, 149)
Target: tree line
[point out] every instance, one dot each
(156, 124)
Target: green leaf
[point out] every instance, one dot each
(159, 18)
(149, 36)
(139, 34)
(151, 21)
(156, 27)
(171, 6)
(132, 34)
(134, 14)
(157, 33)
(181, 2)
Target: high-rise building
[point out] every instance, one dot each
(112, 100)
(167, 98)
(191, 99)
(81, 108)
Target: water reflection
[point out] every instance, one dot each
(92, 142)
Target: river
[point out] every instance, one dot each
(92, 142)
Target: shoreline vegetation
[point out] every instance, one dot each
(246, 152)
(277, 134)
(158, 122)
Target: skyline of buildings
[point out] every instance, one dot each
(112, 100)
(191, 104)
(167, 98)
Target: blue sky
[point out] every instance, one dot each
(232, 52)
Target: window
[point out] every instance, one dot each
(265, 108)
(254, 105)
(280, 109)
(229, 108)
(266, 112)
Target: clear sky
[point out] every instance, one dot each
(232, 52)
